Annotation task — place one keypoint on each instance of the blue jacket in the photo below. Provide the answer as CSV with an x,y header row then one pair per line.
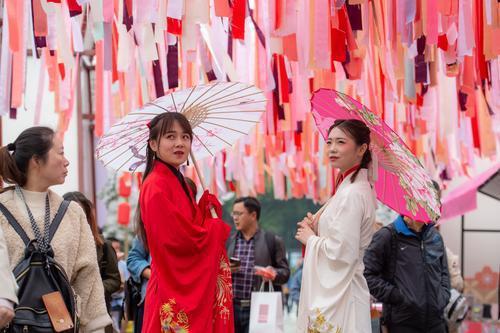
x,y
138,260
294,285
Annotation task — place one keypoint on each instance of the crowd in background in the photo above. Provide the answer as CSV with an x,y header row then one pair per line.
x,y
405,266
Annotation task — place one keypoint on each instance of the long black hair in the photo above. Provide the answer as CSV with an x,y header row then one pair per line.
x,y
360,133
88,208
15,157
158,126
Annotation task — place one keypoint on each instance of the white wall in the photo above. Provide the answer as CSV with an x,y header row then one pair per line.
x,y
481,249
11,128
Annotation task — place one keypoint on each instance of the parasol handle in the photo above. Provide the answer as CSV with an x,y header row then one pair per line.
x,y
202,181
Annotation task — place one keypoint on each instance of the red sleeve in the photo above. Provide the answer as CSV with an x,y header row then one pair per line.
x,y
208,201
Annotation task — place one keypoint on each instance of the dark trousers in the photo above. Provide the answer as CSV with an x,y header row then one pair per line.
x,y
241,318
405,329
139,314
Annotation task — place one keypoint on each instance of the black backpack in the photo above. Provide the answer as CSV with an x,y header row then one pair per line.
x,y
39,274
132,299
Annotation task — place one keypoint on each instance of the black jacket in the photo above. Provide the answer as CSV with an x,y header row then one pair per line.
x,y
264,257
414,286
108,267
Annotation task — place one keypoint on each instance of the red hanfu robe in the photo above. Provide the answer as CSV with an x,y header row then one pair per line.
x,y
190,285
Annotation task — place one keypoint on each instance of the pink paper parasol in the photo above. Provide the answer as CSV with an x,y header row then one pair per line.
x,y
402,182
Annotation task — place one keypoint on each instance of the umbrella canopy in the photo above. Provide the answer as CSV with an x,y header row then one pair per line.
x,y
219,113
402,182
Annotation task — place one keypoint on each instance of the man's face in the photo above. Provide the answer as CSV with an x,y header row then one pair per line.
x,y
243,219
414,225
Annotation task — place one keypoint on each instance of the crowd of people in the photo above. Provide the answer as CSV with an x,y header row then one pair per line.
x,y
184,271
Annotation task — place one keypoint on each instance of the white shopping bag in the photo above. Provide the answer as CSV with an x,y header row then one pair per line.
x,y
266,311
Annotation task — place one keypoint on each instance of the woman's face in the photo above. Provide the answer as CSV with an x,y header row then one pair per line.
x,y
174,146
55,169
343,151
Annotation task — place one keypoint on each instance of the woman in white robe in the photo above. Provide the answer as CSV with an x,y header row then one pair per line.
x,y
334,295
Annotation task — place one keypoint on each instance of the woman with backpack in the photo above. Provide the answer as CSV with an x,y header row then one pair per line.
x,y
106,255
35,220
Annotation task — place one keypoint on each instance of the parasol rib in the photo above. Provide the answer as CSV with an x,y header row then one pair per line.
x,y
218,137
187,98
237,111
173,102
244,120
210,104
203,144
229,128
203,94
114,150
208,99
240,104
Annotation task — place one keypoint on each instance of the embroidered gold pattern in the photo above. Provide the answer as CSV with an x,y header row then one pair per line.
x,y
224,291
318,324
172,322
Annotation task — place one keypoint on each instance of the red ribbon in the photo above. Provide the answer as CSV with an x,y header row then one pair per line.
x,y
338,45
174,26
74,8
238,20
283,80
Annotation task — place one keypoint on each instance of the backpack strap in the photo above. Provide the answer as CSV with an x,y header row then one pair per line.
x,y
271,246
13,222
390,263
57,219
394,252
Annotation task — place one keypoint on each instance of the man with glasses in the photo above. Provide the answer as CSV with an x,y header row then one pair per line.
x,y
252,250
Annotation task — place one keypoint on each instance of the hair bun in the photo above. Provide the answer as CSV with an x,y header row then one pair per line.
x,y
11,147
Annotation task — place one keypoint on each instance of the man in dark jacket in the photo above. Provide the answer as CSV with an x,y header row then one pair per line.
x,y
406,269
249,247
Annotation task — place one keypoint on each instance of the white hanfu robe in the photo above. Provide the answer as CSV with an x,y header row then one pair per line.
x,y
334,294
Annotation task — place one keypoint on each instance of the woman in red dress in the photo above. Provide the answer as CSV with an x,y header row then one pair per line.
x,y
190,285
